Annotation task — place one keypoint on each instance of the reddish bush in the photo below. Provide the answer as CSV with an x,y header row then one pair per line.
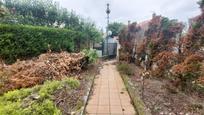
x,y
188,65
201,80
194,58
188,71
164,60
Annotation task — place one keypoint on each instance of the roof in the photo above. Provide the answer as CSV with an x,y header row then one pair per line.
x,y
144,25
194,18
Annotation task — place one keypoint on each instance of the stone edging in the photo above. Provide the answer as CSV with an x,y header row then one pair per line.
x,y
86,98
82,111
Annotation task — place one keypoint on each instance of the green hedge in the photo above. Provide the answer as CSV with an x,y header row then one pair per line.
x,y
22,41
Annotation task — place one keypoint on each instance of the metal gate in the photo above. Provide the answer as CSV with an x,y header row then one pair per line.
x,y
109,48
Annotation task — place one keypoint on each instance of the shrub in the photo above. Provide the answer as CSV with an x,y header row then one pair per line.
x,y
201,3
45,107
20,41
190,65
201,80
165,60
16,95
72,82
91,54
49,87
124,68
34,101
188,71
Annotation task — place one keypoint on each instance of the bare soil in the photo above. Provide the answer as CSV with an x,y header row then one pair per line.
x,y
68,101
162,99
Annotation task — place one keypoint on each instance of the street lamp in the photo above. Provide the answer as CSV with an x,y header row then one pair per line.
x,y
107,12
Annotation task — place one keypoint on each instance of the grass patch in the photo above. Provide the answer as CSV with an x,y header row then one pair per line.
x,y
125,69
34,101
134,94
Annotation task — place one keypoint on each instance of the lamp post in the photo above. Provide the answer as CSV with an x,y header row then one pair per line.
x,y
107,12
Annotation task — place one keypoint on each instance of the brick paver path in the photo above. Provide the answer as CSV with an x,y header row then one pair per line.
x,y
109,95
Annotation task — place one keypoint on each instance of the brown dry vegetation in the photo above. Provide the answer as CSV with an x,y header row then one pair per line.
x,y
49,66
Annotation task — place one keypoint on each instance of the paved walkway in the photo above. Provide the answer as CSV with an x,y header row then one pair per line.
x,y
109,96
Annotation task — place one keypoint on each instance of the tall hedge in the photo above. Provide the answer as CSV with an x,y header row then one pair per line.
x,y
20,41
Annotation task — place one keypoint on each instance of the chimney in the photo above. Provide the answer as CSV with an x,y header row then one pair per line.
x,y
129,22
154,15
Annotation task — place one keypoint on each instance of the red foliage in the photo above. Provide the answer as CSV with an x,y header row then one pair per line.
x,y
164,60
165,56
126,36
141,48
190,69
127,41
188,65
194,39
194,58
201,80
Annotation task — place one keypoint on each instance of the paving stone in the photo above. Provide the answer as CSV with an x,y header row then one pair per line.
x,y
93,102
128,110
103,109
91,109
109,95
116,110
103,102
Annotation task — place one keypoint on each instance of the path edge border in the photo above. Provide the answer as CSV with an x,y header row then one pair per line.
x,y
86,98
134,95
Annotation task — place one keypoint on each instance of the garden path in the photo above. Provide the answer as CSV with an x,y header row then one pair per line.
x,y
110,96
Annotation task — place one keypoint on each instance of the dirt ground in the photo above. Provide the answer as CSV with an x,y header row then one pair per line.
x,y
68,101
161,100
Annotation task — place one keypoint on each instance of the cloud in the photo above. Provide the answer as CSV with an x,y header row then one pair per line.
x,y
134,10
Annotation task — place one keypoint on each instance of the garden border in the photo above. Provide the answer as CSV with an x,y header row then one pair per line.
x,y
134,95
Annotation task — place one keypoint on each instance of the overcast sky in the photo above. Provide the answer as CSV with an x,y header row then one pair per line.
x,y
134,10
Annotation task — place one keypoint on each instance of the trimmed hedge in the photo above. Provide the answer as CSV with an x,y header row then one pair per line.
x,y
23,41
